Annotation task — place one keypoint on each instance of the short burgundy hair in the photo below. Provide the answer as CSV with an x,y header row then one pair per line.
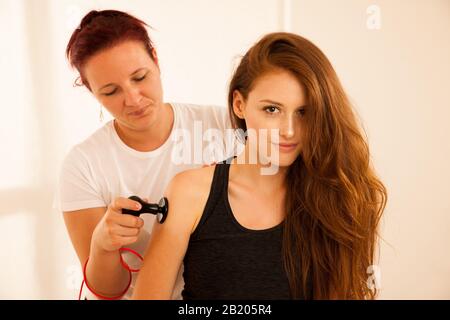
x,y
101,30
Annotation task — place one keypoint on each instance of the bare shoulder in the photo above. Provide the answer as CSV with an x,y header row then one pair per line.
x,y
191,183
188,193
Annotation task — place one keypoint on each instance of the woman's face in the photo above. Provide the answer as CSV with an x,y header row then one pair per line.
x,y
277,101
126,81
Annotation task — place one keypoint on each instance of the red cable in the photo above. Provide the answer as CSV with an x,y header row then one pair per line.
x,y
126,266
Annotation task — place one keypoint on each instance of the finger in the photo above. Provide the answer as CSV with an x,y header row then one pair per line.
x,y
128,240
130,221
126,231
208,165
120,203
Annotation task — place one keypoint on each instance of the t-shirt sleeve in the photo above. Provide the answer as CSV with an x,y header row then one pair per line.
x,y
223,118
230,145
77,189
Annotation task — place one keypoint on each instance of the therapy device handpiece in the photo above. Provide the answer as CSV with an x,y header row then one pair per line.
x,y
159,209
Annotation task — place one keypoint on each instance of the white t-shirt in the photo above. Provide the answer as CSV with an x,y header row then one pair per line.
x,y
103,167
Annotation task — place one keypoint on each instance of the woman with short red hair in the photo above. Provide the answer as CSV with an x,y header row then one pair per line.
x,y
130,155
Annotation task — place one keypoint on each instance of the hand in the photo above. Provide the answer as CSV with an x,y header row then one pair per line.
x,y
115,229
208,165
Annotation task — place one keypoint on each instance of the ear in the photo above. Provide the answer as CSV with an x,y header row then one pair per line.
x,y
155,57
238,104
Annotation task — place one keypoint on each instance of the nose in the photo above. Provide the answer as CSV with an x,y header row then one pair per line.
x,y
132,97
287,127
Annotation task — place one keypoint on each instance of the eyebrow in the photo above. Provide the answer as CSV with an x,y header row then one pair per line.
x,y
110,84
277,103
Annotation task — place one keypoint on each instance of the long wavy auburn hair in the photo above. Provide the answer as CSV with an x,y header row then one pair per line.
x,y
334,200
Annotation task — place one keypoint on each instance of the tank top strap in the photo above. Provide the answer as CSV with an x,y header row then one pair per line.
x,y
219,185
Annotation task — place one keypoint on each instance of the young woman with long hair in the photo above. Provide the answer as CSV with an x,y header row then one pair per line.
x,y
309,231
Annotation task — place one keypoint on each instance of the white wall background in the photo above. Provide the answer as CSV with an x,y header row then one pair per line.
x,y
392,57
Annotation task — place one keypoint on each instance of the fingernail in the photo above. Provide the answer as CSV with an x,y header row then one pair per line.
x,y
138,206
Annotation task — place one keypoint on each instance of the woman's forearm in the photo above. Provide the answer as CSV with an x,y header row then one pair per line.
x,y
105,274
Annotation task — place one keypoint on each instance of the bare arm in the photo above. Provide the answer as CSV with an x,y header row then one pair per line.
x,y
169,241
98,233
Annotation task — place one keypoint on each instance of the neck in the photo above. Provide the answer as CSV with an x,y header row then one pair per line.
x,y
251,174
150,138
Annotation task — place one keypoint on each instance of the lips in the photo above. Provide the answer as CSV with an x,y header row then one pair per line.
x,y
287,147
139,112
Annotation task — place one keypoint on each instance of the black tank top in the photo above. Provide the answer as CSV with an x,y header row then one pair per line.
x,y
224,260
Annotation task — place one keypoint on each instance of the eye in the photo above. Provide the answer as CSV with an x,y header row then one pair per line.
x,y
141,78
110,93
271,109
301,112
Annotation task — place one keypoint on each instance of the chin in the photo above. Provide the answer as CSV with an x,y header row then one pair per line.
x,y
283,163
285,160
145,122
